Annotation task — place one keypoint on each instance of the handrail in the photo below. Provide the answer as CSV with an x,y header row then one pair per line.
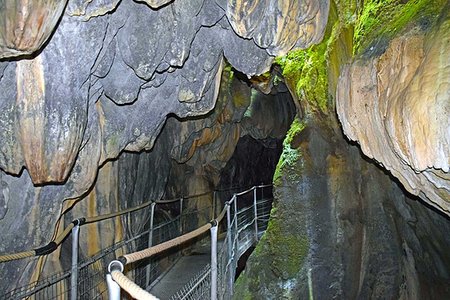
x,y
116,267
148,252
117,280
245,192
54,244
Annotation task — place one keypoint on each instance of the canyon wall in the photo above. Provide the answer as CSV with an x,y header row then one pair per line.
x,y
347,221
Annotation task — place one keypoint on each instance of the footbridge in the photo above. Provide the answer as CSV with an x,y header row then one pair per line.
x,y
226,223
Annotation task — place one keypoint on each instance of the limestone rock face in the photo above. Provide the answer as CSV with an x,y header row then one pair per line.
x,y
342,229
279,25
26,25
189,150
397,107
90,8
106,83
155,3
101,78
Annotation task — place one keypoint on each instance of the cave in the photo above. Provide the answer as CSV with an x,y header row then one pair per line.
x,y
167,109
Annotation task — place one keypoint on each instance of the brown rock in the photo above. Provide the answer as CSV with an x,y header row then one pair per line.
x,y
279,25
397,107
155,3
26,25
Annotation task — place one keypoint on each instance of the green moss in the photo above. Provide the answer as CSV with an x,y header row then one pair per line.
x,y
288,249
289,156
277,261
228,69
241,288
240,99
306,71
372,24
378,21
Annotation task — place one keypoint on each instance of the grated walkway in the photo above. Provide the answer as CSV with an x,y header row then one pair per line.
x,y
182,272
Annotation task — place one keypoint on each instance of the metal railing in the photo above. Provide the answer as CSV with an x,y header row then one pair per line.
x,y
85,279
246,219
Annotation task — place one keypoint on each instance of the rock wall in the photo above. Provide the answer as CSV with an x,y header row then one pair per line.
x,y
188,158
83,81
341,228
102,73
396,106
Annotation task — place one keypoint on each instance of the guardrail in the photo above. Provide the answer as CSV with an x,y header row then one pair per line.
x,y
242,231
85,279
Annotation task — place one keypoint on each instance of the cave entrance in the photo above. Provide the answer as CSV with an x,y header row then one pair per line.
x,y
233,148
265,122
254,160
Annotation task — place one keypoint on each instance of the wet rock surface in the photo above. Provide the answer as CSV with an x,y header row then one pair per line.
x,y
27,25
189,150
100,78
342,228
396,106
102,61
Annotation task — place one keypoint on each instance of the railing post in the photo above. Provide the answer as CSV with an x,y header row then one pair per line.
x,y
150,242
262,191
214,206
214,260
74,270
255,209
230,250
113,287
181,213
236,226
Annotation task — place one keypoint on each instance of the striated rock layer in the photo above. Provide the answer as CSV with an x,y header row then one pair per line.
x,y
26,25
342,227
279,25
397,107
101,78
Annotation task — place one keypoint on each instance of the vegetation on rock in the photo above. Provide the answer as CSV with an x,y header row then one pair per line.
x,y
372,25
290,155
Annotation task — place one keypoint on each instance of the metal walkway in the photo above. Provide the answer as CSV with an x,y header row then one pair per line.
x,y
245,220
180,275
156,223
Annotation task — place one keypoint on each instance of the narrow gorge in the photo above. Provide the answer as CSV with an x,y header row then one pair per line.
x,y
342,105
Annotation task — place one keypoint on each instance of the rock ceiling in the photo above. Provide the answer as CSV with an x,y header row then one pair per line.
x,y
112,71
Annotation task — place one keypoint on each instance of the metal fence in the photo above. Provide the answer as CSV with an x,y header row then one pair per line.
x,y
247,215
198,287
164,220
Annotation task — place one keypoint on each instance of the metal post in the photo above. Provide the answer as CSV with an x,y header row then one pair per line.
x,y
255,209
230,250
150,242
181,213
74,271
237,229
113,287
214,206
214,261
